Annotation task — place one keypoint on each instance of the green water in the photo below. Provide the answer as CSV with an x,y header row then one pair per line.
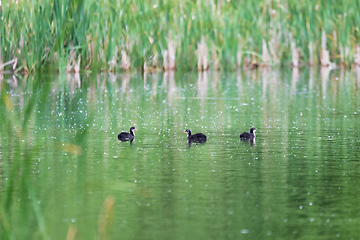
x,y
64,174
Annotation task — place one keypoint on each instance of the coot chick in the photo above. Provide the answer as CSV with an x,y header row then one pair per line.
x,y
124,136
248,136
196,138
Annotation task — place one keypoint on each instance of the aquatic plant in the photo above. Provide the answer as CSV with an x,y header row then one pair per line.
x,y
115,35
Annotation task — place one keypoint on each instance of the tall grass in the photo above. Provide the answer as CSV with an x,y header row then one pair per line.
x,y
58,35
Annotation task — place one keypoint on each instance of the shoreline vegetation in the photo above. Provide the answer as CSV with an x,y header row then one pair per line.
x,y
157,35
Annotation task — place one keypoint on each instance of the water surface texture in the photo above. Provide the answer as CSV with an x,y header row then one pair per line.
x,y
65,175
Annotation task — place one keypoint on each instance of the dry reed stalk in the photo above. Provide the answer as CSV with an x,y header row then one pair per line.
x,y
165,59
70,64
90,45
325,56
77,79
265,54
215,59
239,53
21,46
172,52
77,64
146,68
247,61
334,42
87,67
151,64
155,63
21,42
342,56
13,62
199,55
169,55
1,63
113,62
203,55
275,36
295,55
125,60
238,56
311,54
219,6
101,55
274,47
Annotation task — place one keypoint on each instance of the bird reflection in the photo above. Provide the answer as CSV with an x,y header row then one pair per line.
x,y
190,143
251,142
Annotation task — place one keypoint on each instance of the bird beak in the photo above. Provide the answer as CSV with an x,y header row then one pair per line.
x,y
184,132
135,129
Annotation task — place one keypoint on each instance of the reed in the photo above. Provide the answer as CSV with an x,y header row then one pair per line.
x,y
118,35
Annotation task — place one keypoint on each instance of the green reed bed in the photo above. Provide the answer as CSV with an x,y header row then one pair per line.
x,y
113,35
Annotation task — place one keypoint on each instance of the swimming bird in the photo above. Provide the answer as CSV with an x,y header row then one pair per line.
x,y
196,138
248,136
124,136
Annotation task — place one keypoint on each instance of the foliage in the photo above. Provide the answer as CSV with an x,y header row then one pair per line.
x,y
49,35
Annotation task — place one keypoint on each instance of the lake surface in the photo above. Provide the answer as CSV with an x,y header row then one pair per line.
x,y
65,175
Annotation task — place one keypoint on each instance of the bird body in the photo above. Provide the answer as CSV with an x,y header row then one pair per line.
x,y
196,138
248,135
124,136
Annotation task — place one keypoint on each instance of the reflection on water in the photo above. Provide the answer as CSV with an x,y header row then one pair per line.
x,y
61,162
202,84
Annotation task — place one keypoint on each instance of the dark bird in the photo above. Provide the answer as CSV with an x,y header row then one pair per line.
x,y
196,138
124,136
248,136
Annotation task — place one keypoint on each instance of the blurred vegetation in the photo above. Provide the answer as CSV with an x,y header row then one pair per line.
x,y
105,35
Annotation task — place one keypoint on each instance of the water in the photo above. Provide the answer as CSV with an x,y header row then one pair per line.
x,y
64,174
